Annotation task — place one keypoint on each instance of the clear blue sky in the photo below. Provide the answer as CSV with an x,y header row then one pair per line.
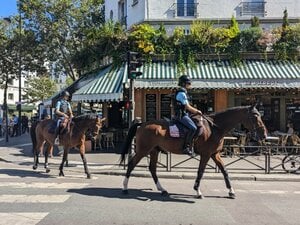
x,y
8,8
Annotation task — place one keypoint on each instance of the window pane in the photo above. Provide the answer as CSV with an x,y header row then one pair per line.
x,y
190,8
180,7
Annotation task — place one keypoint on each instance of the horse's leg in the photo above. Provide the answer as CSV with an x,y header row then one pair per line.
x,y
131,164
37,150
48,149
82,154
218,160
203,161
152,167
65,156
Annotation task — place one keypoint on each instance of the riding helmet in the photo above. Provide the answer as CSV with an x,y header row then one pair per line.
x,y
65,93
184,79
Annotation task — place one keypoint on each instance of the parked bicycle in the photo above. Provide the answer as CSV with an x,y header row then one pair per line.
x,y
291,162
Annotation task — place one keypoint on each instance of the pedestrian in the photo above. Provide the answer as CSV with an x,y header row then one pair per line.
x,y
24,122
14,122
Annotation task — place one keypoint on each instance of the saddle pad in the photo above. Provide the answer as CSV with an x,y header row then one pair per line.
x,y
174,131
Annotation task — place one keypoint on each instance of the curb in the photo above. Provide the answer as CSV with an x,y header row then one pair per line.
x,y
205,177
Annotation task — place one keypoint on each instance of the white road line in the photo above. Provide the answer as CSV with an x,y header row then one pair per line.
x,y
21,218
33,198
43,185
297,192
22,145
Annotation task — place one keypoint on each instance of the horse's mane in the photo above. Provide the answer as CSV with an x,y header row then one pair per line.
x,y
85,117
229,110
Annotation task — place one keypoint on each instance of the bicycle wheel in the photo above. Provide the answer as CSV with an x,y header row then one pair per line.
x,y
291,163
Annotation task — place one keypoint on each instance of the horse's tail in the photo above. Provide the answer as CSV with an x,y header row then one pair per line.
x,y
33,135
131,133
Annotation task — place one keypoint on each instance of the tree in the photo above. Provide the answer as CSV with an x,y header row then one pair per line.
x,y
40,88
62,26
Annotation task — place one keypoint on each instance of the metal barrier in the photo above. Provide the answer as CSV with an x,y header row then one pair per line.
x,y
272,158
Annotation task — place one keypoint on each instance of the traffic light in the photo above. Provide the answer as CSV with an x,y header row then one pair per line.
x,y
134,62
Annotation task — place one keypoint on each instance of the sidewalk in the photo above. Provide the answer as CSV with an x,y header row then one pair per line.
x,y
105,162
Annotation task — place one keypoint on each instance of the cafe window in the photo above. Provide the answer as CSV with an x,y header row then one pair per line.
x,y
151,112
165,106
293,112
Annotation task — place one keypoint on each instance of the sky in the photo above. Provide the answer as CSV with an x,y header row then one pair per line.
x,y
8,8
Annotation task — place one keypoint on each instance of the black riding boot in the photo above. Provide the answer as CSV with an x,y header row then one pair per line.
x,y
188,146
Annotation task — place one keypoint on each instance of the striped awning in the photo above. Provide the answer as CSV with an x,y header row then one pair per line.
x,y
223,75
107,86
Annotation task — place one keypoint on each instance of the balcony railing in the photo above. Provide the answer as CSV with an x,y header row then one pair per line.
x,y
185,9
253,9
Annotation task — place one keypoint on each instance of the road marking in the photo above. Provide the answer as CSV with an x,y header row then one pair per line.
x,y
33,198
21,218
297,192
43,185
22,145
278,192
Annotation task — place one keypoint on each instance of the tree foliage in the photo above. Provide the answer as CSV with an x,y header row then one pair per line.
x,y
40,88
62,27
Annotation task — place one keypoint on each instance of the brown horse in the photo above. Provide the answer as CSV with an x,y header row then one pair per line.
x,y
153,136
40,135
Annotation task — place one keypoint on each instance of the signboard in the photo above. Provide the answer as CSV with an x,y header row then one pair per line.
x,y
150,107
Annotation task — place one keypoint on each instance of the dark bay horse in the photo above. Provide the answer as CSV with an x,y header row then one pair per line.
x,y
153,136
40,135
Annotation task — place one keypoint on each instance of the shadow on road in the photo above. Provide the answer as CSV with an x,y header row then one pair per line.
x,y
142,195
25,173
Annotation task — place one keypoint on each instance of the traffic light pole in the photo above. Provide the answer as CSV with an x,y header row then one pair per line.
x,y
132,103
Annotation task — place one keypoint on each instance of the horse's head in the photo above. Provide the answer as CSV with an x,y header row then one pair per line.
x,y
254,124
93,131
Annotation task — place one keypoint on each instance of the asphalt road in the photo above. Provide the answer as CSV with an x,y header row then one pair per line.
x,y
34,197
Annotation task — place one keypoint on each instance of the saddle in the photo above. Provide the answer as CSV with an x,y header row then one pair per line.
x,y
63,127
179,130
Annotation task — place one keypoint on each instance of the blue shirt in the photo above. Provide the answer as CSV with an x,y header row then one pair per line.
x,y
59,104
182,98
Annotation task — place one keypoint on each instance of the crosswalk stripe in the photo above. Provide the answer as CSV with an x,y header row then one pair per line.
x,y
297,192
21,218
42,185
33,198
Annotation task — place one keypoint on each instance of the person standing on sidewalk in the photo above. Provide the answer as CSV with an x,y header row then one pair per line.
x,y
15,121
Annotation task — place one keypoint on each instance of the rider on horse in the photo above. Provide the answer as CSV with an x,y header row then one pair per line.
x,y
182,108
63,111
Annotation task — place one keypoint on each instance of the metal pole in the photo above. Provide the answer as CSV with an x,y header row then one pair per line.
x,y
131,99
19,75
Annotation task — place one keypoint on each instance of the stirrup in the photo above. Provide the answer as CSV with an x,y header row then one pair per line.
x,y
188,151
56,141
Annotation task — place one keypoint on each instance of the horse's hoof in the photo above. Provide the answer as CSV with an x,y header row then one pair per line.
x,y
61,174
34,167
164,193
88,176
125,192
232,195
199,196
47,170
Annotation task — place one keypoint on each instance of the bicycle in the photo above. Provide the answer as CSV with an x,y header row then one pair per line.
x,y
291,162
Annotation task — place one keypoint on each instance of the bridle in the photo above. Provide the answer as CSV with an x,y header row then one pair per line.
x,y
255,127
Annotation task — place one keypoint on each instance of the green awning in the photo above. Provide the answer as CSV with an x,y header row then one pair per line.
x,y
223,75
24,107
107,86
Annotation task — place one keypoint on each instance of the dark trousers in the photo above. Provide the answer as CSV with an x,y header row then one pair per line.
x,y
188,122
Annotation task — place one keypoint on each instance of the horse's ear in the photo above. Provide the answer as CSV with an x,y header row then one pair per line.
x,y
253,106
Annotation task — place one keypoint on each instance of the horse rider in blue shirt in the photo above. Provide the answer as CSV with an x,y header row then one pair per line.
x,y
62,111
182,109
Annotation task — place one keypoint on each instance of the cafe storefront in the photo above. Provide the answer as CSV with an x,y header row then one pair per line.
x,y
274,86
217,85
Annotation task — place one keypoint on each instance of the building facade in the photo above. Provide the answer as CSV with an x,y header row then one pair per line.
x,y
174,13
